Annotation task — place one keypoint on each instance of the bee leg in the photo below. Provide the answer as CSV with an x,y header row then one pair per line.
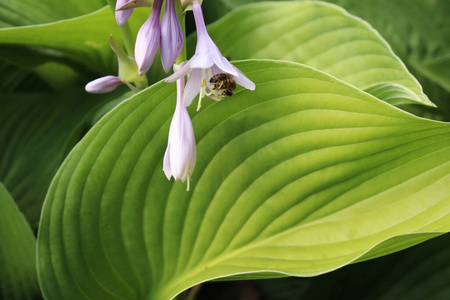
x,y
220,86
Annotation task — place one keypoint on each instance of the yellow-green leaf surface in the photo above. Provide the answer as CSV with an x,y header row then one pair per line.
x,y
83,40
18,276
300,177
320,35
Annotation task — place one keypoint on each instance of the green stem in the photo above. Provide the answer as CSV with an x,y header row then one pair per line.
x,y
181,18
125,31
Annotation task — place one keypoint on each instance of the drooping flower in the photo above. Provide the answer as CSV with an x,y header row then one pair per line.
x,y
171,36
206,62
128,73
148,39
180,156
122,16
124,9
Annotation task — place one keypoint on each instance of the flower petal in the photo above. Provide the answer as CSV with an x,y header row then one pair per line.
x,y
166,164
122,16
192,87
186,68
103,84
171,36
148,39
181,150
242,80
206,51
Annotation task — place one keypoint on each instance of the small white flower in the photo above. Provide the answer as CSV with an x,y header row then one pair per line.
x,y
206,62
180,156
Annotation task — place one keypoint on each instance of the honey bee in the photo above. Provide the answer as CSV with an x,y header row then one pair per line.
x,y
224,84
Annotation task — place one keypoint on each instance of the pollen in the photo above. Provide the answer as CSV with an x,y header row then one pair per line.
x,y
203,83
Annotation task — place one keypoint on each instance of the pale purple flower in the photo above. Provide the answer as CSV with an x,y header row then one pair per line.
x,y
180,156
171,36
128,73
103,84
122,15
124,9
206,62
148,39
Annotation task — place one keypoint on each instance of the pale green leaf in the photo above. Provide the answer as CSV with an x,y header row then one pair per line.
x,y
418,31
18,276
304,175
318,34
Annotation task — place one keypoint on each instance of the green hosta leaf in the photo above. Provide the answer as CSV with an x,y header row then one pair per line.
x,y
302,176
37,132
18,276
393,93
30,12
417,273
320,35
418,32
13,78
83,40
414,28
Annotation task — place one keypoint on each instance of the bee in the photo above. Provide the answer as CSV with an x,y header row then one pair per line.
x,y
223,84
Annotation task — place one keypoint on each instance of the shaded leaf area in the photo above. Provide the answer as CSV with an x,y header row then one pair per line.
x,y
418,273
301,176
31,12
82,41
418,32
320,35
13,78
37,132
18,276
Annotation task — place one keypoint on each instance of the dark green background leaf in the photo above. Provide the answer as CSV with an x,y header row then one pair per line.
x,y
37,132
18,276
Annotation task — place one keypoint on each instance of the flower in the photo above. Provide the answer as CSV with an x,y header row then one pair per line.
x,y
127,73
171,36
122,15
148,39
124,9
103,85
179,159
206,62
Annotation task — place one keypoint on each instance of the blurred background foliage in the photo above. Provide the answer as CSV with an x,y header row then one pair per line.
x,y
43,106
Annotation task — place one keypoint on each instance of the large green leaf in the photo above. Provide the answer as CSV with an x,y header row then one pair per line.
x,y
83,40
302,176
37,132
18,276
320,35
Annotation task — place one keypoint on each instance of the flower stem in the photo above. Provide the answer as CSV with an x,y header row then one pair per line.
x,y
125,31
181,18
